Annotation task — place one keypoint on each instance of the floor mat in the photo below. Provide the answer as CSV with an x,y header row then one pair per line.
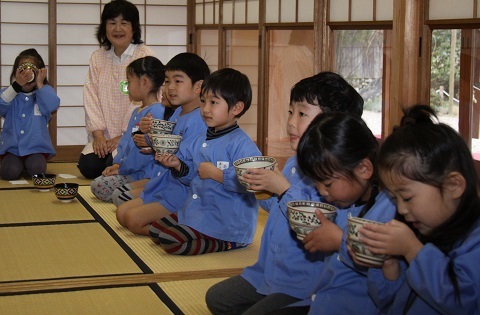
x,y
66,173
61,251
32,206
189,295
210,265
123,300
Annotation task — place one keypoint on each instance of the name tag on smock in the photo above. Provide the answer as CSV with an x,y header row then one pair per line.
x,y
36,110
223,165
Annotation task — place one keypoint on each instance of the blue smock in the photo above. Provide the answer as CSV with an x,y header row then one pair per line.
x,y
25,129
132,162
428,276
283,265
342,284
223,211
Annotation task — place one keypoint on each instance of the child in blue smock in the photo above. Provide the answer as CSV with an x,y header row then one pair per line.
x,y
218,213
145,78
184,75
428,170
338,152
285,272
27,106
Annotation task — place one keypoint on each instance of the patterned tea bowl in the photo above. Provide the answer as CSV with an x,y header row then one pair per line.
x,y
241,166
361,252
302,217
165,144
160,126
44,182
66,192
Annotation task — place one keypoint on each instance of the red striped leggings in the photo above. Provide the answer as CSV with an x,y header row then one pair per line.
x,y
180,239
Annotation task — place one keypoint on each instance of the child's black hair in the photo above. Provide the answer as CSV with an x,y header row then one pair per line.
x,y
334,143
427,152
191,64
231,85
28,53
329,91
113,9
151,67
424,151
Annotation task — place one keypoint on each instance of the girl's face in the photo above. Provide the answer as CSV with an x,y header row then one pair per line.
x,y
342,191
179,88
300,115
215,111
135,90
424,206
119,33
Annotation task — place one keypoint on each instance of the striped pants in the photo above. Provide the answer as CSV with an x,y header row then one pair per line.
x,y
178,239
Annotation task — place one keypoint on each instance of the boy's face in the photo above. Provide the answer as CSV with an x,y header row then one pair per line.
x,y
215,111
300,115
179,88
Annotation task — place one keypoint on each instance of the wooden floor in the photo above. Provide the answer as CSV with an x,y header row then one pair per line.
x,y
74,258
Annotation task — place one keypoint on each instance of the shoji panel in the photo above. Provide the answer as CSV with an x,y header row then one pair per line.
x,y
286,11
360,10
447,9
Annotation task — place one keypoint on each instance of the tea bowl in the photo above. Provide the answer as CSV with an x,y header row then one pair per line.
x,y
302,217
44,182
165,143
66,192
359,248
160,126
241,166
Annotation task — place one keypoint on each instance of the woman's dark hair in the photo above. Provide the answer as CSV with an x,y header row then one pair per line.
x,y
191,64
231,85
427,152
151,67
330,91
113,9
334,144
28,53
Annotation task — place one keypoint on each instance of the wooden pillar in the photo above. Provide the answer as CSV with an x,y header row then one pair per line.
x,y
406,60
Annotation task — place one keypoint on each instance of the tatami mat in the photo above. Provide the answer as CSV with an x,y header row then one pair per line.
x,y
31,205
60,169
124,300
61,251
189,295
161,262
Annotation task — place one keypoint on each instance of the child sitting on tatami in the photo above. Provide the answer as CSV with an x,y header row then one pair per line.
x,y
219,214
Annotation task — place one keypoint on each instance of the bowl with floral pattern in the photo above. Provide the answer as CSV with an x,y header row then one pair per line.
x,y
165,143
160,126
359,248
243,164
302,217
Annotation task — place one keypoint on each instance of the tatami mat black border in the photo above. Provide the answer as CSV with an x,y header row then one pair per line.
x,y
40,223
160,293
115,236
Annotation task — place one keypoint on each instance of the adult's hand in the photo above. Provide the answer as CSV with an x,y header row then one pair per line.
x,y
100,147
112,144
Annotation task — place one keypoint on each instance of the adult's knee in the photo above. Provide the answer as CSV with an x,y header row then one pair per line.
x,y
91,166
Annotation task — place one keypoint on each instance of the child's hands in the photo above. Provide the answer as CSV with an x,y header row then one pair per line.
x,y
262,179
392,238
325,238
168,160
140,140
145,124
208,170
41,75
111,170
